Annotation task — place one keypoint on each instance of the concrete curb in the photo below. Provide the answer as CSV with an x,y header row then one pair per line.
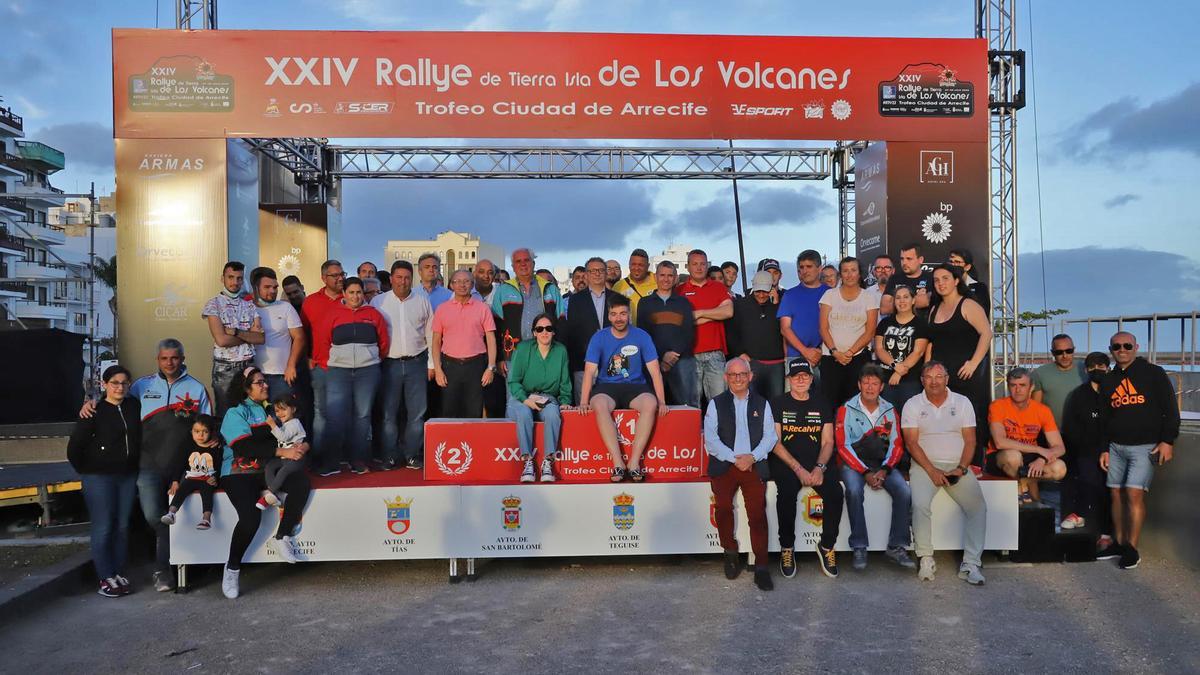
x,y
26,595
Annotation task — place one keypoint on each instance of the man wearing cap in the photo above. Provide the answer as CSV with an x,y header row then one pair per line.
x,y
771,266
804,427
753,334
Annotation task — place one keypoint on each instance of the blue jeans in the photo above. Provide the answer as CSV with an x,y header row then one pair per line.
x,y
768,379
152,494
277,386
1130,466
899,394
681,383
710,374
349,397
895,486
403,382
320,434
524,416
109,499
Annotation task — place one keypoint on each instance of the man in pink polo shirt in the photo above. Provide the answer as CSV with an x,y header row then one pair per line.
x,y
464,349
711,306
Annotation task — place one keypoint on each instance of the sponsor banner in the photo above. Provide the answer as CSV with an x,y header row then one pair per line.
x,y
292,240
483,451
870,203
937,195
512,521
171,202
339,524
478,84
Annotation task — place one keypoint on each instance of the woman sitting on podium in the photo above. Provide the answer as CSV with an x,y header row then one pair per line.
x,y
539,387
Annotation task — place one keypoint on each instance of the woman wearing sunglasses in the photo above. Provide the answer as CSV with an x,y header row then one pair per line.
x,y
539,388
104,449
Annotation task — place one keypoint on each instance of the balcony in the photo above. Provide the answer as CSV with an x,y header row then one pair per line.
x,y
12,206
13,289
10,245
11,120
41,156
29,309
38,195
34,271
10,164
47,234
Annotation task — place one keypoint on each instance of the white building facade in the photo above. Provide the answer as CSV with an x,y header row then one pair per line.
x,y
458,251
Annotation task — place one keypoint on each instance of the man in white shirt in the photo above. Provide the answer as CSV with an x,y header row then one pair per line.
x,y
939,433
279,356
407,368
233,322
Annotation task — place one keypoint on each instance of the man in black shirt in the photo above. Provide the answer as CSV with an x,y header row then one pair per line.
x,y
753,334
804,424
912,275
587,312
669,320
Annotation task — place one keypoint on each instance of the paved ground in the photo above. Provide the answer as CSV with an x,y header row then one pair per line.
x,y
635,615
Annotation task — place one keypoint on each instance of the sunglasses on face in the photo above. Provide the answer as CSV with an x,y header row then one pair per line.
x,y
1118,346
1060,352
543,329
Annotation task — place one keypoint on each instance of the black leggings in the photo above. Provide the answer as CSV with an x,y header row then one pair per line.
x,y
787,486
840,383
189,485
243,490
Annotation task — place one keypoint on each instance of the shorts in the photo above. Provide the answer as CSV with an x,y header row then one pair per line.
x,y
622,393
992,469
1130,466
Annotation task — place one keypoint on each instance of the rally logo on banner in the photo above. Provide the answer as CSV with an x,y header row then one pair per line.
x,y
398,515
814,508
511,510
623,516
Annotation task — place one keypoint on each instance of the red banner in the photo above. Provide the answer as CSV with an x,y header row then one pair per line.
x,y
182,84
467,452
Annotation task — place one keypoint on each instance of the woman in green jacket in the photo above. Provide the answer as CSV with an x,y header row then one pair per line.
x,y
539,388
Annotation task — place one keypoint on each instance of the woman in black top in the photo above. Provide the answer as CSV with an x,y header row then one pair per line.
x,y
105,448
900,343
960,338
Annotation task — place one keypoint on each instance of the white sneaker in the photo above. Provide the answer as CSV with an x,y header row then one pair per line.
x,y
547,471
229,583
527,473
970,573
928,568
283,548
168,518
271,498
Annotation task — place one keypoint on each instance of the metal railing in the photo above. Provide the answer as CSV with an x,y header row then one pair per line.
x,y
11,119
1184,356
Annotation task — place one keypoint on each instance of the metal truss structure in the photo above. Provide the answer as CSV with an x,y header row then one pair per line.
x,y
995,20
581,162
843,181
196,14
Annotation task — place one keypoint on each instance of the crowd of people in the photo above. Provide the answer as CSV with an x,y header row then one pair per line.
x,y
848,381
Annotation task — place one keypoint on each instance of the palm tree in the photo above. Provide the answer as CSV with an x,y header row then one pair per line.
x,y
106,273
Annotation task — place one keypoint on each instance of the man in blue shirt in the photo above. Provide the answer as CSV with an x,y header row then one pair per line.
x,y
739,433
613,378
800,310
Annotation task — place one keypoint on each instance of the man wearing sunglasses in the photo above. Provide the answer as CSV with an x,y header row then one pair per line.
x,y
1140,419
1054,381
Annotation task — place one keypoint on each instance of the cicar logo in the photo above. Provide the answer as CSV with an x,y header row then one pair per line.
x,y
399,517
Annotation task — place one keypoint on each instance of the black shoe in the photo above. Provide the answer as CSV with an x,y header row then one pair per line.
x,y
828,559
1129,558
415,463
762,579
1110,552
787,563
733,564
330,471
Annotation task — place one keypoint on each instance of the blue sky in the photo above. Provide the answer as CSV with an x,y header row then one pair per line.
x,y
1116,117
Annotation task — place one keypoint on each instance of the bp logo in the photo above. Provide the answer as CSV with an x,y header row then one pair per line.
x,y
814,508
623,511
399,517
511,510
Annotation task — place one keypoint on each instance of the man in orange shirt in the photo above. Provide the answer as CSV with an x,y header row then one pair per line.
x,y
1018,425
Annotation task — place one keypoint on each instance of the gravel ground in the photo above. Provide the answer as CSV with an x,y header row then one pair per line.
x,y
635,614
18,562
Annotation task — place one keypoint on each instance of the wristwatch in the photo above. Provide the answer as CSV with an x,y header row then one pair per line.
x,y
492,368
822,466
963,469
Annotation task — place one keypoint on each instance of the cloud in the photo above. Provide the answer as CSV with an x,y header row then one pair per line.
x,y
1121,200
548,215
506,14
1125,126
86,143
19,67
760,207
1096,281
